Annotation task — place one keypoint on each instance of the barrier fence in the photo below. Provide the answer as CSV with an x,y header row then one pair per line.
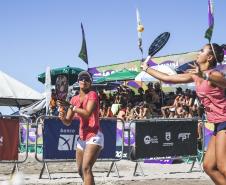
x,y
157,139
10,140
138,140
59,141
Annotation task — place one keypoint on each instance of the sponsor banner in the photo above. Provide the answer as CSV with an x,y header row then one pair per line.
x,y
173,60
108,128
102,71
127,140
32,135
59,141
9,139
164,138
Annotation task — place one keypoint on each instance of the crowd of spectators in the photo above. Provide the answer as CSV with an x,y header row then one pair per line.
x,y
153,102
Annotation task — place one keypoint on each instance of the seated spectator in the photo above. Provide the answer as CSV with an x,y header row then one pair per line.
x,y
105,111
129,112
145,111
187,112
169,108
122,113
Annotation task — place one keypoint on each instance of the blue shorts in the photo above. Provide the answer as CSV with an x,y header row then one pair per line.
x,y
218,127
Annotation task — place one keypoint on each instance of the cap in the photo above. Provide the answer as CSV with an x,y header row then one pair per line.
x,y
85,73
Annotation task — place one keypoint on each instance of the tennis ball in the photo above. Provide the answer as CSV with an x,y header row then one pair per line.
x,y
140,28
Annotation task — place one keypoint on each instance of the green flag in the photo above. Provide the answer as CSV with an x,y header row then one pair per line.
x,y
83,52
209,31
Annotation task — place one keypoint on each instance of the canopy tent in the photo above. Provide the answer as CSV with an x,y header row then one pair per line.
x,y
122,75
33,108
70,72
15,93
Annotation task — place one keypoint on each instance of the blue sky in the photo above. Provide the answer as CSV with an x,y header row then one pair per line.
x,y
39,33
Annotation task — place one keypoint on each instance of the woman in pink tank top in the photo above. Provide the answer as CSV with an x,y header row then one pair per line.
x,y
210,85
85,106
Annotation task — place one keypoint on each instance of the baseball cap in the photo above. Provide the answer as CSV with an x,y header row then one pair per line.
x,y
85,74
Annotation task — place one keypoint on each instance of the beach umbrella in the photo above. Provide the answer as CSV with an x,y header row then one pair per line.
x,y
122,75
70,72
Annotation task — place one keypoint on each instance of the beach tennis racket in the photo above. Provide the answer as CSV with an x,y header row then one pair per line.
x,y
158,43
61,87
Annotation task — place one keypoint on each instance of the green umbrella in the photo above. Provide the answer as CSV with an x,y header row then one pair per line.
x,y
122,75
70,72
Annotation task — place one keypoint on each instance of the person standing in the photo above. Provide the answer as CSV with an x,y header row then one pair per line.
x,y
85,106
210,85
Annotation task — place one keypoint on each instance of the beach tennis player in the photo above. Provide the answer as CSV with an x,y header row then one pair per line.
x,y
85,106
210,85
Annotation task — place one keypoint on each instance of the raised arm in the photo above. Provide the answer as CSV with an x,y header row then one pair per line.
x,y
85,113
177,78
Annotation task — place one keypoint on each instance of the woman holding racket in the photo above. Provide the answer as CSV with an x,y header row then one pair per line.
x,y
210,85
85,106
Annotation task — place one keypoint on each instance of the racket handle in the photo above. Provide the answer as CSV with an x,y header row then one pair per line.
x,y
147,59
61,109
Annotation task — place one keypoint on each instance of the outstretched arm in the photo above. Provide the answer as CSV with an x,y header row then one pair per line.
x,y
177,78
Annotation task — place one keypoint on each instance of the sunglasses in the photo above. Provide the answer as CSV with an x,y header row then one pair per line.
x,y
84,78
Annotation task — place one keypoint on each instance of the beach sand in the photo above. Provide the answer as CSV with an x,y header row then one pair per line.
x,y
66,173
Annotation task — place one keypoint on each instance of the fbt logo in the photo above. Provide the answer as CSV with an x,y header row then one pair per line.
x,y
184,136
67,142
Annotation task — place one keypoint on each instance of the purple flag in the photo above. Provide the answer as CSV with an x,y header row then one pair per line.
x,y
209,31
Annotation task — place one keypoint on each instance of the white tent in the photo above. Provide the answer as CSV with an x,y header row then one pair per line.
x,y
15,93
33,108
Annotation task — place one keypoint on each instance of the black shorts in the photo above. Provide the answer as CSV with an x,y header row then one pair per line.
x,y
218,127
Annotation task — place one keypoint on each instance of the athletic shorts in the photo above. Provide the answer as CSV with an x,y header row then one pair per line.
x,y
95,140
218,127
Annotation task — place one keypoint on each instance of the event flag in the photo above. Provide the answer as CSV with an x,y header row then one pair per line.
x,y
83,52
48,88
209,31
140,29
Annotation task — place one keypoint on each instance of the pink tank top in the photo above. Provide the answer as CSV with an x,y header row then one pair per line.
x,y
213,99
88,127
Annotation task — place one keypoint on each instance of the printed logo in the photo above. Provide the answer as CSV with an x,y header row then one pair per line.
x,y
147,140
184,136
168,136
154,140
67,142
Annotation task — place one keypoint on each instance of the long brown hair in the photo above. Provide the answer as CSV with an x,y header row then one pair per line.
x,y
218,53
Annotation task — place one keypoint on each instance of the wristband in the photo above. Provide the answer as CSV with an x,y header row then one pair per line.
x,y
147,68
72,107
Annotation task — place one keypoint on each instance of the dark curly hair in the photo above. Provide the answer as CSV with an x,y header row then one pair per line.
x,y
218,53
